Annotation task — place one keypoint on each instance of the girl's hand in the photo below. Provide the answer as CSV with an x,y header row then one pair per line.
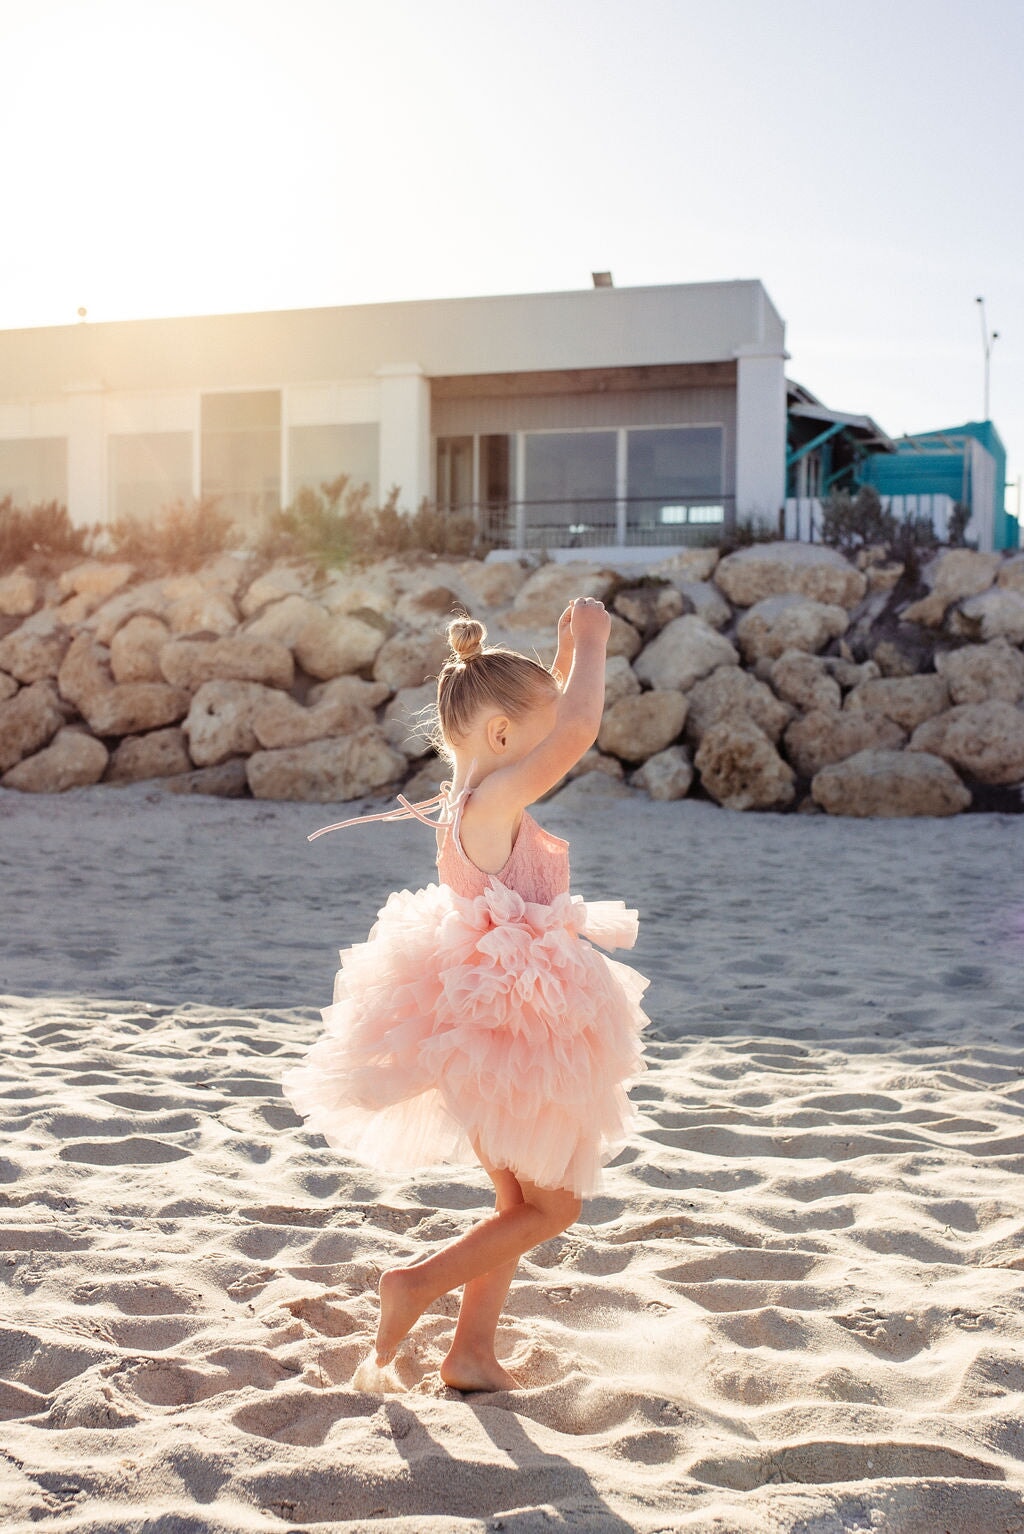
x,y
589,619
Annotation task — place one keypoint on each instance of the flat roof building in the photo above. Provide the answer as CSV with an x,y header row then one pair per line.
x,y
605,416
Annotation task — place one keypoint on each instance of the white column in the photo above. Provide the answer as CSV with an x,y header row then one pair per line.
x,y
760,435
87,456
404,432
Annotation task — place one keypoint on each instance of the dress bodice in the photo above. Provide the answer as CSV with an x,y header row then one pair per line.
x,y
537,868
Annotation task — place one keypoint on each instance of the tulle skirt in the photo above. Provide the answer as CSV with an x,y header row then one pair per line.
x,y
488,1022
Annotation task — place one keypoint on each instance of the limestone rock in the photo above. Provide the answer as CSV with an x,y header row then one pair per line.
x,y
687,565
135,649
1011,574
235,658
27,721
985,740
131,708
824,736
84,671
791,622
685,650
981,671
408,660
666,775
731,693
428,604
95,580
804,681
587,792
788,568
287,618
885,577
544,595
220,721
278,721
371,594
427,779
596,761
148,597
953,576
8,687
909,700
352,691
623,639
18,594
192,606
72,760
282,580
995,614
620,680
705,599
326,771
495,583
409,719
160,754
35,649
648,608
225,781
847,672
741,769
338,644
890,783
636,728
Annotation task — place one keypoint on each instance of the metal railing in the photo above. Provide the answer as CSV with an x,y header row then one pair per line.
x,y
635,521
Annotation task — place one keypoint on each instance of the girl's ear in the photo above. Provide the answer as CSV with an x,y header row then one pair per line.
x,y
497,732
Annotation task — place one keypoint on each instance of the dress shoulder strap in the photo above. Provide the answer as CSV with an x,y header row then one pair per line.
x,y
449,811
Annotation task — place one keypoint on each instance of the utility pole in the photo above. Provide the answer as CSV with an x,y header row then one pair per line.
x,y
988,338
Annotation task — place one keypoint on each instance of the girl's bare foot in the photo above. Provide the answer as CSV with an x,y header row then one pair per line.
x,y
470,1371
402,1302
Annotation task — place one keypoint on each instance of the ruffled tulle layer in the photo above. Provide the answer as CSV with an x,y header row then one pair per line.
x,y
490,1022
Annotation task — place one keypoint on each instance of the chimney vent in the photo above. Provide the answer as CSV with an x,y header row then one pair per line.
x,y
602,279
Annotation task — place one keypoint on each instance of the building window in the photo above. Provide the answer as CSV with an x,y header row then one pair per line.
x,y
241,452
319,454
673,478
34,470
148,471
569,486
455,473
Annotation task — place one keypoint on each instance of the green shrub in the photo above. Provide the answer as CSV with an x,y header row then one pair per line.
x,y
335,525
35,533
181,536
851,522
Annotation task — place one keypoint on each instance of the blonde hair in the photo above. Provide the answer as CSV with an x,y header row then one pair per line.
x,y
476,676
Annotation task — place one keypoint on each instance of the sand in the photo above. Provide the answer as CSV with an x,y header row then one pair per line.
x,y
798,1306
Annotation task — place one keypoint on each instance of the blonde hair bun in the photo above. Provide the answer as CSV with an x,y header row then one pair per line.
x,y
466,637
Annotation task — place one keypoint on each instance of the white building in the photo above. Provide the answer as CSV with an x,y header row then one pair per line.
x,y
621,416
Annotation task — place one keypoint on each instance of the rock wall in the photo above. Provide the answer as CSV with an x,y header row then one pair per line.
x,y
782,676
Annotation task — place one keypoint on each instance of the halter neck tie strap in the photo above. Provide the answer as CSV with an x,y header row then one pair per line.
x,y
448,810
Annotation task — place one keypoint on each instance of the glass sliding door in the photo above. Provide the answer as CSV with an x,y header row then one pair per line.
x,y
674,479
568,494
241,452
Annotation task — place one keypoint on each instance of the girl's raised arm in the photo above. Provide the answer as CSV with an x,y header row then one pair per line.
x,y
578,719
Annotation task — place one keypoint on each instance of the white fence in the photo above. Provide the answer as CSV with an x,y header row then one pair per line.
x,y
804,514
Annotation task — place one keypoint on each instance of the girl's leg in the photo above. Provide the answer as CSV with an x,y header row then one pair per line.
x,y
405,1293
470,1363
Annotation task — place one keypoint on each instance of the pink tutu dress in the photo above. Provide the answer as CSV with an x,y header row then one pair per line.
x,y
478,1010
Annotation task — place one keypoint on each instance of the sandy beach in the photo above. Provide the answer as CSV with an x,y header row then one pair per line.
x,y
798,1306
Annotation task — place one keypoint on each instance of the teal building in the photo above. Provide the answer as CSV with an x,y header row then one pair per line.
x,y
967,463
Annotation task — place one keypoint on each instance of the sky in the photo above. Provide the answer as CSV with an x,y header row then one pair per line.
x,y
861,157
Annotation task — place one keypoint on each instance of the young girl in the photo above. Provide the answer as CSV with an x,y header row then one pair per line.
x,y
477,1020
